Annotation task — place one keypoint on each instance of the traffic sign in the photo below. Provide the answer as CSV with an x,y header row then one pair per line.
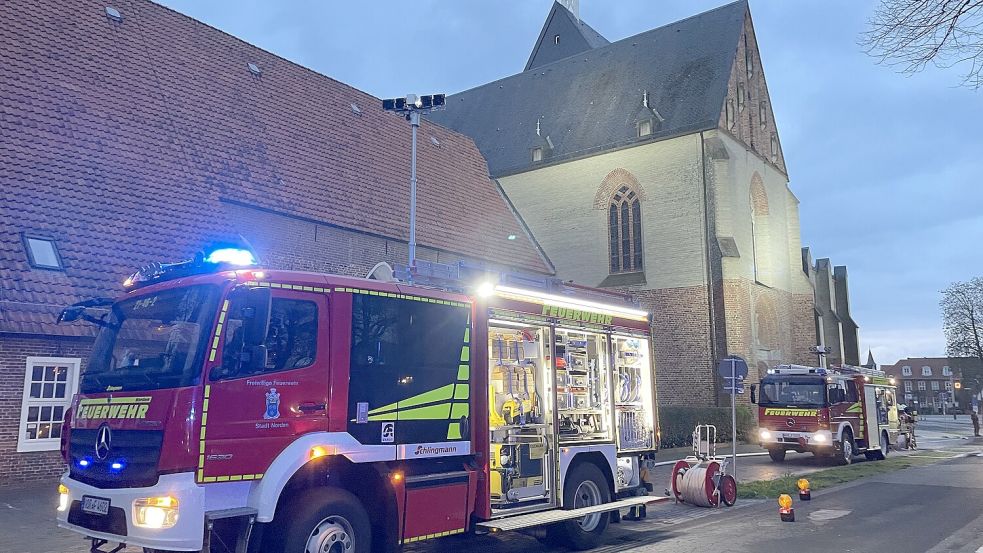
x,y
732,365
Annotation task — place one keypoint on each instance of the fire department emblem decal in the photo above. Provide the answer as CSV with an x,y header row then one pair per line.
x,y
272,405
790,422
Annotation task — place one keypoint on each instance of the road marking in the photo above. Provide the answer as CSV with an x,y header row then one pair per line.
x,y
822,515
936,456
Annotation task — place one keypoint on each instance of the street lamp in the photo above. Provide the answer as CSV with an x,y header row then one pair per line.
x,y
412,106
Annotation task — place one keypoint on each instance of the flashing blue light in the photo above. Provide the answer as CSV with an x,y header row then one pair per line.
x,y
232,256
116,466
83,463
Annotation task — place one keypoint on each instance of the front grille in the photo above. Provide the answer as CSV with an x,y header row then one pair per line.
x,y
113,522
137,451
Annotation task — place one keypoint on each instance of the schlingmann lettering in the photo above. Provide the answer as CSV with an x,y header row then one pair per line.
x,y
434,450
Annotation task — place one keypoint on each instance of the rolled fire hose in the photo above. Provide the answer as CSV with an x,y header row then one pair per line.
x,y
695,485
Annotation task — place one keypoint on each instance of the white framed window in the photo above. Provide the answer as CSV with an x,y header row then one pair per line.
x,y
946,371
644,127
921,385
926,371
49,384
906,371
537,154
935,385
948,386
907,386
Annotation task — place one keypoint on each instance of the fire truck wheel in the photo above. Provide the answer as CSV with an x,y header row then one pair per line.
x,y
585,486
881,453
322,520
847,448
777,455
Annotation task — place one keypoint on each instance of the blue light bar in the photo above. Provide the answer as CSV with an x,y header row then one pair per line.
x,y
116,466
232,256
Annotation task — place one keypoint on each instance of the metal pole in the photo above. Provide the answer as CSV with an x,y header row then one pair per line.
x,y
733,413
414,117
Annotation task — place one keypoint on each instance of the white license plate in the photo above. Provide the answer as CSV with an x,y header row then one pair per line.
x,y
95,505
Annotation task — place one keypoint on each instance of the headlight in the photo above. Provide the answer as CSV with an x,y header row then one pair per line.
x,y
765,435
155,512
62,498
822,437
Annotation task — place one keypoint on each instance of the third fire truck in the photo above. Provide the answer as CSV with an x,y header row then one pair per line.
x,y
837,412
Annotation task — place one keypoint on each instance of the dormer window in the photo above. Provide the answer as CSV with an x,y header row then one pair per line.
x,y
537,154
906,371
926,371
42,253
644,128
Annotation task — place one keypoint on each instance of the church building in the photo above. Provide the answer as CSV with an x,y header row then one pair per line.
x,y
653,165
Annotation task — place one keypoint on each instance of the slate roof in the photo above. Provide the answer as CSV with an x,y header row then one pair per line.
x,y
592,101
123,140
957,364
574,37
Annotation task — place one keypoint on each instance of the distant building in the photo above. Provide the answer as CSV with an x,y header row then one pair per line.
x,y
928,382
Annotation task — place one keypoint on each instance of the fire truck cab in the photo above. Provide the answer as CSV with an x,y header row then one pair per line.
x,y
287,412
837,412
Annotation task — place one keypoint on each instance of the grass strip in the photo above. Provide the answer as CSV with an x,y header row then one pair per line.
x,y
762,489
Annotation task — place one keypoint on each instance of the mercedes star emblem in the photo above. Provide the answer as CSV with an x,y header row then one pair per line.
x,y
104,441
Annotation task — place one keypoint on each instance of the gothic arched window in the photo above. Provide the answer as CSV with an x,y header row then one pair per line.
x,y
625,231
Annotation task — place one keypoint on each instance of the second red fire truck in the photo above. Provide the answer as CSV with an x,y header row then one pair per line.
x,y
299,412
837,412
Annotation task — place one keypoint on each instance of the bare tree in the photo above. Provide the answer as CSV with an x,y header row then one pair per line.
x,y
910,34
962,319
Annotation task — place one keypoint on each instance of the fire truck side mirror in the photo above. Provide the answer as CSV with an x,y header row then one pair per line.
x,y
255,316
754,393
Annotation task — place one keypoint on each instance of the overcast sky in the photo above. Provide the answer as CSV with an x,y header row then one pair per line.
x,y
888,168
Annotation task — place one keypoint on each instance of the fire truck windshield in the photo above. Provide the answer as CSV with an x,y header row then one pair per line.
x,y
792,391
152,341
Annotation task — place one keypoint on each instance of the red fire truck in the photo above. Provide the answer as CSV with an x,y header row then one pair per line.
x,y
285,411
837,412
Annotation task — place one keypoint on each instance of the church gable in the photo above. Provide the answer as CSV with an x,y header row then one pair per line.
x,y
747,113
563,35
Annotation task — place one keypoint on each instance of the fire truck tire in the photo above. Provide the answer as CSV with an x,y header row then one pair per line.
x,y
777,455
881,453
585,486
847,448
322,520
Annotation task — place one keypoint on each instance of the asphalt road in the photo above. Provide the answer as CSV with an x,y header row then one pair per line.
x,y
934,508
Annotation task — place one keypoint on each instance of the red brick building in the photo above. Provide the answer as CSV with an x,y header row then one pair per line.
x,y
927,383
141,138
